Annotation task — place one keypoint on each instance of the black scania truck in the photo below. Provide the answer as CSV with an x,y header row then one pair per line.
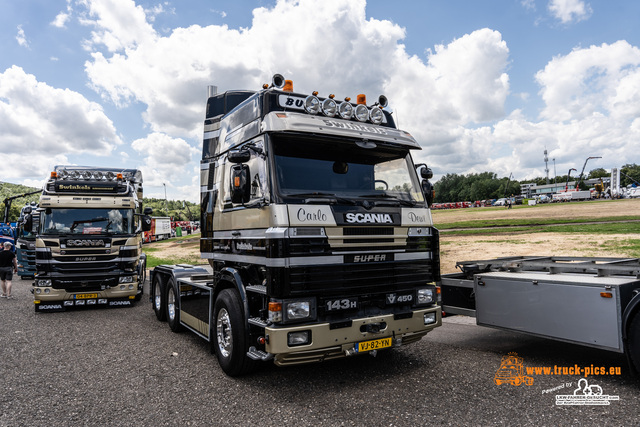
x,y
317,230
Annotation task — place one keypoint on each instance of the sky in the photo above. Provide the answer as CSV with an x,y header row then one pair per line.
x,y
482,85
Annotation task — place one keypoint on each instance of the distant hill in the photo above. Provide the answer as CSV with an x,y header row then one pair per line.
x,y
180,210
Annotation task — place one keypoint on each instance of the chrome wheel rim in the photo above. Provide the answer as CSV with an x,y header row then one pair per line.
x,y
171,305
223,332
156,296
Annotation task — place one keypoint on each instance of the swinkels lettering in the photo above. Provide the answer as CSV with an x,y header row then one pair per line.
x,y
371,218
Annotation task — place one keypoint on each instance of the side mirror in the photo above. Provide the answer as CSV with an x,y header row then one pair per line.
x,y
240,187
428,191
145,224
147,211
426,172
26,210
240,156
28,223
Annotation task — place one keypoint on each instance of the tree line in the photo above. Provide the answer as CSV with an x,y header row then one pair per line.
x,y
487,185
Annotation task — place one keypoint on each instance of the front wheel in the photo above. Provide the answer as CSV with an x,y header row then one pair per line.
x,y
229,338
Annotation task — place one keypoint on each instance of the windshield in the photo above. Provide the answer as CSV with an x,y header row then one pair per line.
x,y
307,168
87,221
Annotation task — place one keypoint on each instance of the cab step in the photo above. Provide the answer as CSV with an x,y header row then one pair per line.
x,y
256,354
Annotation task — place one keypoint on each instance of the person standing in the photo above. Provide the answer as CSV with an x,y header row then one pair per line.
x,y
8,266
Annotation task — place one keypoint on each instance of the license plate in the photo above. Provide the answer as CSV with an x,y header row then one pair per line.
x,y
85,296
373,345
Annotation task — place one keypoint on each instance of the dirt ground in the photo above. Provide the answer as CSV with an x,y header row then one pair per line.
x,y
499,244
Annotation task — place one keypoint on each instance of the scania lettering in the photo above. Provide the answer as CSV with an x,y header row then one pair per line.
x,y
88,240
312,214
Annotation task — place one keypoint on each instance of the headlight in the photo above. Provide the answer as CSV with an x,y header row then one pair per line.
x,y
362,113
345,110
86,175
312,104
292,310
43,282
329,107
376,115
298,310
98,175
426,296
125,279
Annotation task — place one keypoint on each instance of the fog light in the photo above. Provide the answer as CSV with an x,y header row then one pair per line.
x,y
91,302
429,318
345,110
80,302
329,107
47,290
68,303
130,287
362,113
123,287
102,301
376,115
298,338
38,290
311,104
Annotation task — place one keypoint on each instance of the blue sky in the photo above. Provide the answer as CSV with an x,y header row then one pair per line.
x,y
483,86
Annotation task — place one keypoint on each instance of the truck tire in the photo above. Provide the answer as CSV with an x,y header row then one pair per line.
x,y
173,309
229,339
159,298
633,342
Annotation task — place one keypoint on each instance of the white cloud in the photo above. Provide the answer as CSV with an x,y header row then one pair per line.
x,y
60,20
43,123
165,158
570,10
21,38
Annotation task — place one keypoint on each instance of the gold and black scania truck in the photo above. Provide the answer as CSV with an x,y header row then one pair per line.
x,y
317,230
88,238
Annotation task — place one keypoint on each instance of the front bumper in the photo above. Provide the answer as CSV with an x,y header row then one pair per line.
x,y
327,343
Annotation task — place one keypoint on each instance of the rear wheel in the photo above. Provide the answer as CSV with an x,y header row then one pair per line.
x,y
173,309
158,298
633,341
229,337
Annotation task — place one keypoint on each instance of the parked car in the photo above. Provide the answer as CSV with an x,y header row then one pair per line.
x,y
500,202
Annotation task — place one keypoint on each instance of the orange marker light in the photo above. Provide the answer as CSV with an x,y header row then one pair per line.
x,y
275,306
314,93
288,86
606,294
236,182
361,99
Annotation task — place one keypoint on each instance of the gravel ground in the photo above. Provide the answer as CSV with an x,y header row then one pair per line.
x,y
122,367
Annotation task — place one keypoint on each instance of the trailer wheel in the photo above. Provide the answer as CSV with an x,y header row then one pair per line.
x,y
158,299
173,309
228,332
634,341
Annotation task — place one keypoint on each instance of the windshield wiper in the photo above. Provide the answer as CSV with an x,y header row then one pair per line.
x,y
391,199
319,197
82,221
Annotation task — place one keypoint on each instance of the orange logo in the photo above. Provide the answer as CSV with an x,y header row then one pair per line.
x,y
511,371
